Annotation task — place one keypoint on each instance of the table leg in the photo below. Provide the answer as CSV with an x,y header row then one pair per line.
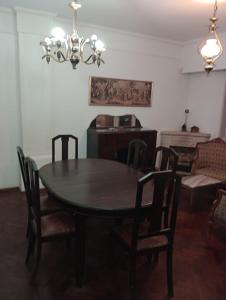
x,y
80,249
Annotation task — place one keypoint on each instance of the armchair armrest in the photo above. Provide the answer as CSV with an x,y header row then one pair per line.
x,y
218,205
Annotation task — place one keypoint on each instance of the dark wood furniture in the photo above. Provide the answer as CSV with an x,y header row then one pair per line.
x,y
59,225
106,143
165,159
47,204
148,237
64,140
92,187
137,154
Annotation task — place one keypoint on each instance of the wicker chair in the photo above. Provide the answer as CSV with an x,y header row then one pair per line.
x,y
211,159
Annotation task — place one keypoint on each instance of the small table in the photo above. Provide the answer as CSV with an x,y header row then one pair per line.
x,y
201,190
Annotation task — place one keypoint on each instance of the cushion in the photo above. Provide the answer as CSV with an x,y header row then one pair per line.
x,y
212,172
57,224
124,233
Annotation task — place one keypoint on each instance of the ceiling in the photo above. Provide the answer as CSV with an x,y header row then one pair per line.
x,y
179,20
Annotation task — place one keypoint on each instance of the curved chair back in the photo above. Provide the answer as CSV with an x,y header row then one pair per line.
x,y
33,192
65,141
21,158
136,154
165,159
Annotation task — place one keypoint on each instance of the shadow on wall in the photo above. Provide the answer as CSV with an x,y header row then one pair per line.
x,y
223,117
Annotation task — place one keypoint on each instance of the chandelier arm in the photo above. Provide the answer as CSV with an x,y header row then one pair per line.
x,y
83,43
87,61
56,60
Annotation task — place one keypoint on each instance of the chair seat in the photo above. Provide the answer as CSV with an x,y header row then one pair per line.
x,y
57,224
49,205
124,233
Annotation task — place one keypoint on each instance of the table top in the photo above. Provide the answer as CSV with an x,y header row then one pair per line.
x,y
94,186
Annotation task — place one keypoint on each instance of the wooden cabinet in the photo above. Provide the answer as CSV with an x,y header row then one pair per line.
x,y
105,143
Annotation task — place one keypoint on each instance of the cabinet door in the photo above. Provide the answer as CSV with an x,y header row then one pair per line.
x,y
107,146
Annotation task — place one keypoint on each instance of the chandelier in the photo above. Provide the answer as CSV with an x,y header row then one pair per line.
x,y
61,47
211,49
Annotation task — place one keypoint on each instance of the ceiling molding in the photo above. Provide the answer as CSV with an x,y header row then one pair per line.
x,y
122,32
19,9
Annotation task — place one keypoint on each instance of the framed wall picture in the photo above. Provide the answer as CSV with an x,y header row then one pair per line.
x,y
120,92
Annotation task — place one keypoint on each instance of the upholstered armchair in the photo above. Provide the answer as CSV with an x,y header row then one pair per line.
x,y
217,216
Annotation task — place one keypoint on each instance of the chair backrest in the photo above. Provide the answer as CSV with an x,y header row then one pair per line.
x,y
21,158
164,184
33,192
136,154
65,140
165,158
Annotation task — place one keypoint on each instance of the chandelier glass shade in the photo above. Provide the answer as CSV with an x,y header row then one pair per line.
x,y
63,47
211,49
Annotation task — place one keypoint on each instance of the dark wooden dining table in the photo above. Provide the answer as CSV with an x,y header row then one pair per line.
x,y
92,187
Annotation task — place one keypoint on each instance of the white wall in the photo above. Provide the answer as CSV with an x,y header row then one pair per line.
x,y
206,100
9,106
206,93
54,98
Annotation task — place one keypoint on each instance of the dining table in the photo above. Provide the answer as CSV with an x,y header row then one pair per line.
x,y
92,187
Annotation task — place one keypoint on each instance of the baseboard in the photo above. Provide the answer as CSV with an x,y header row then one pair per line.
x,y
12,189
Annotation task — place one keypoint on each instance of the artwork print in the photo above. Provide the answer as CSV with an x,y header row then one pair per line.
x,y
120,92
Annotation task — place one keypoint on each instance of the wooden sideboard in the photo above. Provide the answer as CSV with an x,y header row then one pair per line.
x,y
107,142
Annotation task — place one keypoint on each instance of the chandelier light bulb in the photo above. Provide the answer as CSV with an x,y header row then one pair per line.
x,y
100,46
48,41
211,49
58,33
93,37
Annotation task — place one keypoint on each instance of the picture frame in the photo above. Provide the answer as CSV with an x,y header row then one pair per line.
x,y
119,92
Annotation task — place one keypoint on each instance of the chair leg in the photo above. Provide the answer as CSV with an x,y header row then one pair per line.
x,y
132,277
170,272
31,245
149,258
166,218
38,257
28,228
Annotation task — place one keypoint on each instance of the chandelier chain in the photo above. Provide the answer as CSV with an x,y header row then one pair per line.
x,y
215,9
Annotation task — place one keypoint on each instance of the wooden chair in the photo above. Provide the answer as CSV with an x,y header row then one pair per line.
x,y
47,203
217,215
59,225
65,140
151,237
164,159
136,154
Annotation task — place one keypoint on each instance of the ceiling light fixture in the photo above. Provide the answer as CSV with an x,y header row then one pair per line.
x,y
61,47
211,49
